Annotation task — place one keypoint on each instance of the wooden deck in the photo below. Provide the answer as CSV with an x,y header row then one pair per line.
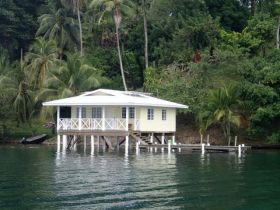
x,y
198,147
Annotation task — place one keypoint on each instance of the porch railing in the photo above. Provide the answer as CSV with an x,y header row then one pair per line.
x,y
94,124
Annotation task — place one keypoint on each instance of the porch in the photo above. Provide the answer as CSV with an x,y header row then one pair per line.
x,y
97,124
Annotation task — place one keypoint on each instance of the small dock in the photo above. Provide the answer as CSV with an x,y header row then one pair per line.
x,y
198,147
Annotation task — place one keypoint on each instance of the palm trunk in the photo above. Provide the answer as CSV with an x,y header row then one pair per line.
x,y
81,31
253,7
120,57
145,34
277,34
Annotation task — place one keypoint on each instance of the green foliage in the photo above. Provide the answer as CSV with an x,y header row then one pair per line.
x,y
196,49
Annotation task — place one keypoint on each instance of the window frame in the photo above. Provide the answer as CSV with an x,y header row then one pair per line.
x,y
131,112
163,114
96,112
150,114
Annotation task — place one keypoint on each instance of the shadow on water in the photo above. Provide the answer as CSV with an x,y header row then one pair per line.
x,y
38,177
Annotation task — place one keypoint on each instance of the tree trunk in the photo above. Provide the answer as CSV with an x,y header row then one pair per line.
x,y
81,31
145,34
277,33
253,7
120,56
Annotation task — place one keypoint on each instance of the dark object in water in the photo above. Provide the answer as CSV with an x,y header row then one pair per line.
x,y
34,140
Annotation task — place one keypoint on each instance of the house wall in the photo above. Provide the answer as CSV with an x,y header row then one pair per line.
x,y
155,125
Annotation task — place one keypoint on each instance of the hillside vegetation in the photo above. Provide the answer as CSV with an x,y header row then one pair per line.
x,y
221,58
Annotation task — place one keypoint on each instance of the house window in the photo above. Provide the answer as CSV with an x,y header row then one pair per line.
x,y
96,112
163,114
131,112
83,112
150,114
123,112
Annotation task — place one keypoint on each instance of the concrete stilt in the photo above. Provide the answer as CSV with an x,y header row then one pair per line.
x,y
173,140
169,147
92,144
85,143
126,143
152,138
58,143
162,138
64,142
75,143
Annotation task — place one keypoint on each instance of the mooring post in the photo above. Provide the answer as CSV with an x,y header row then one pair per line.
x,y
58,143
179,149
235,141
208,137
201,138
239,150
202,148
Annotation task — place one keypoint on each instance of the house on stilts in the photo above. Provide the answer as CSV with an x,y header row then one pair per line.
x,y
115,117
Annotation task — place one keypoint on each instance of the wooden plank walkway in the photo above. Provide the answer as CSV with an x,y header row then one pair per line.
x,y
198,147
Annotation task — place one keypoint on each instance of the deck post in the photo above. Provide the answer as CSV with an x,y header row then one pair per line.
x,y
80,117
208,139
179,149
162,138
126,117
64,142
92,144
57,118
58,143
201,139
103,118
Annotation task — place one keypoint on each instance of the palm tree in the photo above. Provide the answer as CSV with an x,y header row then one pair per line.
x,y
58,26
41,57
222,107
15,84
77,5
70,78
115,8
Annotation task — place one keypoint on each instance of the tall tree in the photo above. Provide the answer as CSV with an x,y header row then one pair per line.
x,y
77,5
58,25
41,57
145,33
115,8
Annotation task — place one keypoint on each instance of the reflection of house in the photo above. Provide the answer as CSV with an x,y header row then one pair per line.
x,y
115,113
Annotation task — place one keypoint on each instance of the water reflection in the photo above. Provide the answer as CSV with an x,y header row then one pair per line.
x,y
41,178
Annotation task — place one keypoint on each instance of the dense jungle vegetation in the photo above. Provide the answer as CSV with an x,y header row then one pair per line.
x,y
220,57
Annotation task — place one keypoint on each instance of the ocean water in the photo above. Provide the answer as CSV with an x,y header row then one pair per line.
x,y
39,177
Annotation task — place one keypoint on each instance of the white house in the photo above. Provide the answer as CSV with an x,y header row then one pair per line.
x,y
111,113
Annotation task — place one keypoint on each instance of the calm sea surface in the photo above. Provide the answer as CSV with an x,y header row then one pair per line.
x,y
37,177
